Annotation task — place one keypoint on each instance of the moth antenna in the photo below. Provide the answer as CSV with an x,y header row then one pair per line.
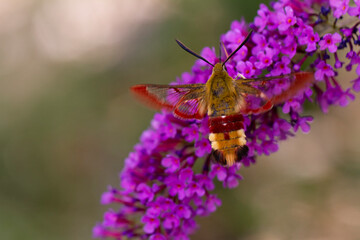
x,y
224,48
238,48
192,52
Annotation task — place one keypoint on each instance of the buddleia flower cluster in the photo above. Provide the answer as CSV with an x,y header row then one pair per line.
x,y
168,180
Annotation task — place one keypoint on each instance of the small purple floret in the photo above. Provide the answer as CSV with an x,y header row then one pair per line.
x,y
151,223
329,41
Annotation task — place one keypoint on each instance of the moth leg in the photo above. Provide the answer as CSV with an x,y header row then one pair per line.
x,y
239,76
246,88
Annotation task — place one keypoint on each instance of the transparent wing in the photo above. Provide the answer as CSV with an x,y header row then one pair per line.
x,y
258,95
185,101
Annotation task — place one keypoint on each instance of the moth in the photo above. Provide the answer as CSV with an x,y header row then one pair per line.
x,y
225,100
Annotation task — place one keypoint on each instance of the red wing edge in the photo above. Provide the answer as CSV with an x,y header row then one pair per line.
x,y
185,101
302,81
151,100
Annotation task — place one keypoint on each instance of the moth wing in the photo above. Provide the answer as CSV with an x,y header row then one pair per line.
x,y
185,101
258,95
299,83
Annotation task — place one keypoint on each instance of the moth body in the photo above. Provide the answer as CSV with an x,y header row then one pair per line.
x,y
227,136
225,100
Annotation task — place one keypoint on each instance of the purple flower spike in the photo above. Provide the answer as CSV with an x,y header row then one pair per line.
x,y
169,178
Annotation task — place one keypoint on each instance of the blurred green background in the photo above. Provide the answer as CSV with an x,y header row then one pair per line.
x,y
68,121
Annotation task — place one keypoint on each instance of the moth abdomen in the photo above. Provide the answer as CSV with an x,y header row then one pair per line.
x,y
228,138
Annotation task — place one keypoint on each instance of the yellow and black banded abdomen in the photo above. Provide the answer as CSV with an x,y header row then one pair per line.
x,y
228,139
222,141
